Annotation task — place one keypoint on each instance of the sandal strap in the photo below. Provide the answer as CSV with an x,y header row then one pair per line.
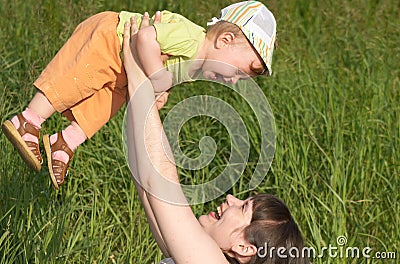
x,y
34,147
25,127
60,169
60,144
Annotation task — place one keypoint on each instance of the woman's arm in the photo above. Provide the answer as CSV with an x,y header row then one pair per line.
x,y
150,155
137,74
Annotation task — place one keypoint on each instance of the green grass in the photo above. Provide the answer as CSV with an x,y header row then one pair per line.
x,y
335,94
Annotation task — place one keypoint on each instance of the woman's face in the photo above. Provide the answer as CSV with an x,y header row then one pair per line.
x,y
226,225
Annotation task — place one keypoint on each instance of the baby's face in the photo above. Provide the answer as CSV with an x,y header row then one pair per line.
x,y
223,72
231,63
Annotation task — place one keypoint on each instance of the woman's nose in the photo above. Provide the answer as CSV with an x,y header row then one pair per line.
x,y
232,200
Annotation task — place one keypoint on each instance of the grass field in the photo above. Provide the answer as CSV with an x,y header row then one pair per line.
x,y
335,95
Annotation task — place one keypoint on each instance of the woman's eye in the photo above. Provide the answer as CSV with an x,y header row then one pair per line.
x,y
239,72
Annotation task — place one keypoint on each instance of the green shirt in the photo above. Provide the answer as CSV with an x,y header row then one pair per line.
x,y
177,36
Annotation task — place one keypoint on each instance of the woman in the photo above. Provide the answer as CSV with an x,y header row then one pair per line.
x,y
249,231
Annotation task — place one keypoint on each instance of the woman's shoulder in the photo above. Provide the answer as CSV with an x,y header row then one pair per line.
x,y
167,261
170,261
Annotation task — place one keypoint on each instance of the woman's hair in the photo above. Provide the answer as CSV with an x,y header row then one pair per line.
x,y
223,26
272,227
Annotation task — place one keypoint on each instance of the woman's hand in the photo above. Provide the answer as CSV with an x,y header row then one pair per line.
x,y
131,61
129,44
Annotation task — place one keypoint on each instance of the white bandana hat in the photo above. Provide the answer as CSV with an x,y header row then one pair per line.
x,y
258,25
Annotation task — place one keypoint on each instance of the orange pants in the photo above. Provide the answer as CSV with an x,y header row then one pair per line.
x,y
87,77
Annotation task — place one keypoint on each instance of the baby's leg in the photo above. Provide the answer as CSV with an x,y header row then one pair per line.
x,y
59,151
41,105
23,130
38,110
82,79
73,135
88,117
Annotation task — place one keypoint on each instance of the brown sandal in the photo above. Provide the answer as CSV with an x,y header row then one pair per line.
x,y
28,150
58,170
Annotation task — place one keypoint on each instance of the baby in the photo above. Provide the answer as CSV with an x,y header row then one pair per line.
x,y
86,80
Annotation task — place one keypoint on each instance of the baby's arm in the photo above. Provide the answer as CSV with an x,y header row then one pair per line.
x,y
149,54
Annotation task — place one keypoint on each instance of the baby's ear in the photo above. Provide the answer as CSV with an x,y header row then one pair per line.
x,y
225,39
161,100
